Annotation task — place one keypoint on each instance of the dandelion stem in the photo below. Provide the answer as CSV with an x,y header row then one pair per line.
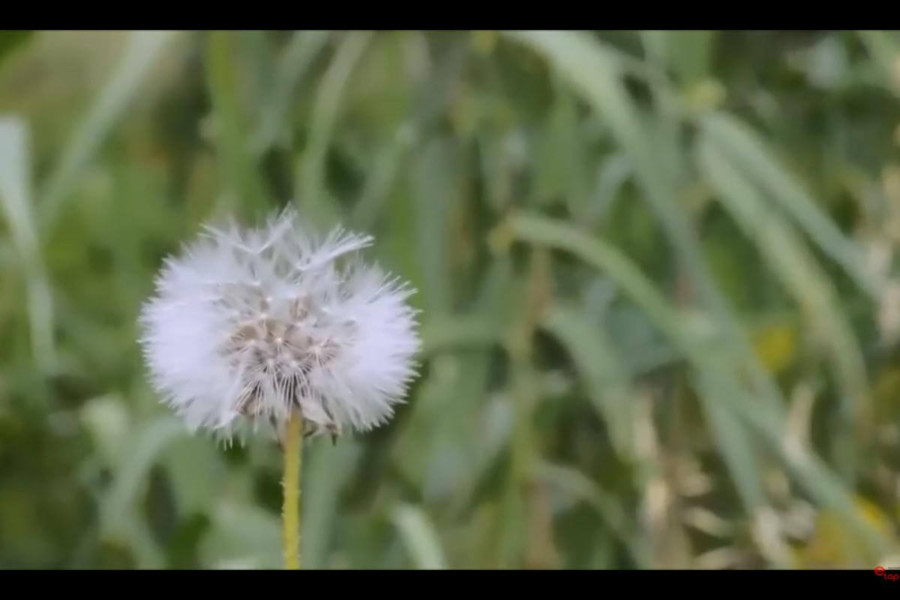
x,y
290,517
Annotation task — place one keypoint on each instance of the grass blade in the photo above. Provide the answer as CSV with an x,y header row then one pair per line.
x,y
605,377
310,185
299,56
143,49
419,536
15,200
748,152
231,137
803,278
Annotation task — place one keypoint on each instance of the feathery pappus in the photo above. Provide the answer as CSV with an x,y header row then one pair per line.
x,y
251,324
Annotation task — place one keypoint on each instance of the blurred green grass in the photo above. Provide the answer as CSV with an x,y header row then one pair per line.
x,y
660,312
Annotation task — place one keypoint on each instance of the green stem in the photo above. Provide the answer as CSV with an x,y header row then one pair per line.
x,y
290,517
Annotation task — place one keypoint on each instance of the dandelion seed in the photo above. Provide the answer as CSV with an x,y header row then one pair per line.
x,y
257,324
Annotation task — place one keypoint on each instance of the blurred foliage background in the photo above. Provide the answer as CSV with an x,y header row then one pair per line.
x,y
661,313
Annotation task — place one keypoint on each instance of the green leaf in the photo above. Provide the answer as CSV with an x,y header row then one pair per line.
x,y
310,188
757,162
231,128
242,536
295,62
803,278
610,509
144,48
16,203
10,40
326,469
606,378
419,537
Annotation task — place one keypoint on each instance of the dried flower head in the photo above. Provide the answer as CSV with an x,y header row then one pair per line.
x,y
258,323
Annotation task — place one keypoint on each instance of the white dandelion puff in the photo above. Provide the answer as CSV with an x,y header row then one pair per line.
x,y
250,325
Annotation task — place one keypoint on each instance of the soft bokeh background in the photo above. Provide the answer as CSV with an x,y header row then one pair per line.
x,y
660,308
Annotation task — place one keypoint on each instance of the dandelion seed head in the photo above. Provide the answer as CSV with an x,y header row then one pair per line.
x,y
253,324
